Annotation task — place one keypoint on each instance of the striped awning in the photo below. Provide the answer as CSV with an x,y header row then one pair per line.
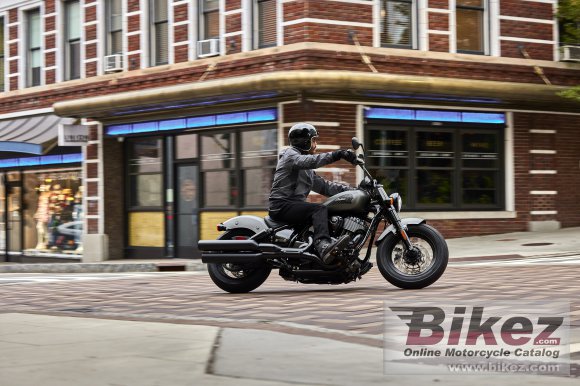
x,y
35,134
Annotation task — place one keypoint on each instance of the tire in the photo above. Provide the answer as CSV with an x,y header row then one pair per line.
x,y
255,277
433,271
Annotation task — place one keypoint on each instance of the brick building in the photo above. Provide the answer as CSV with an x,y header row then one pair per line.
x,y
187,103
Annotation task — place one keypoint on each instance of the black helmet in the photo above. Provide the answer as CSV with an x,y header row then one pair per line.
x,y
301,134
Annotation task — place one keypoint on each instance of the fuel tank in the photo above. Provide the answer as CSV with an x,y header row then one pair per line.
x,y
352,201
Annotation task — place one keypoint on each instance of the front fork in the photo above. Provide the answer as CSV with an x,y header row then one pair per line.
x,y
394,218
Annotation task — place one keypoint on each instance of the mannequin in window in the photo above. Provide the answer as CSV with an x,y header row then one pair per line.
x,y
41,216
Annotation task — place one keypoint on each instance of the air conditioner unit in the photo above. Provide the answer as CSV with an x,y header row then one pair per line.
x,y
209,47
570,54
114,63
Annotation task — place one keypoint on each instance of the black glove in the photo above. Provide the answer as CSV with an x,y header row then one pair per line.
x,y
349,156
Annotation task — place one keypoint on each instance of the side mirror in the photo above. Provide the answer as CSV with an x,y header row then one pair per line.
x,y
355,143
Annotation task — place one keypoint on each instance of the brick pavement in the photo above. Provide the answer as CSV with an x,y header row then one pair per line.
x,y
354,309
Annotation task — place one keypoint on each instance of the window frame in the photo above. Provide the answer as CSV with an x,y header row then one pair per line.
x,y
256,31
238,169
485,27
29,80
414,41
130,188
109,30
154,25
457,205
69,67
202,25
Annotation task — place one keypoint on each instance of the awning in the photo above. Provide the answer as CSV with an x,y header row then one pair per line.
x,y
35,134
330,84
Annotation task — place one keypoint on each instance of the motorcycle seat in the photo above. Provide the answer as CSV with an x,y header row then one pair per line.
x,y
273,223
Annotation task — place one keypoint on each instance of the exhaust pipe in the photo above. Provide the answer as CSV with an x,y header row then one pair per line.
x,y
246,251
227,245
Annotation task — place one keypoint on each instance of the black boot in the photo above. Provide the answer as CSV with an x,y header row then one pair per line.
x,y
327,249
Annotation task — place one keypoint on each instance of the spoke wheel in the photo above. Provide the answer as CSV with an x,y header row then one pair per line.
x,y
417,268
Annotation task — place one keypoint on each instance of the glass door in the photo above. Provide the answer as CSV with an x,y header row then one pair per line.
x,y
187,211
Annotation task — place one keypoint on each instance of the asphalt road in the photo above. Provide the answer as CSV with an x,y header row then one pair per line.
x,y
350,313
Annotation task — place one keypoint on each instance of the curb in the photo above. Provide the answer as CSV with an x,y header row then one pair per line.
x,y
102,267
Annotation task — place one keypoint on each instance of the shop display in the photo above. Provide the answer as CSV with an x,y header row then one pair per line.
x,y
57,212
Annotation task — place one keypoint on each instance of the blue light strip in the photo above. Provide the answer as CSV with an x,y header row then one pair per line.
x,y
44,160
254,116
434,115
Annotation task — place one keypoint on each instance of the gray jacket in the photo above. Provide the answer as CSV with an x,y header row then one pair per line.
x,y
294,177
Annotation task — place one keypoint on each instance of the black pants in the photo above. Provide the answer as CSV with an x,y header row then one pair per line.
x,y
304,213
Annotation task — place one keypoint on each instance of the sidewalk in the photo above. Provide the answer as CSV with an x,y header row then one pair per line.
x,y
70,351
563,241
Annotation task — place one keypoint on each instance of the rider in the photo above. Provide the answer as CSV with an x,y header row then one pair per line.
x,y
293,180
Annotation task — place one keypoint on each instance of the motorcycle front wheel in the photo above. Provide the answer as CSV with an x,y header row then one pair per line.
x,y
238,278
413,271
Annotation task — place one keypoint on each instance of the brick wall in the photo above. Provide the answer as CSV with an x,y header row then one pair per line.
x,y
302,21
307,59
114,193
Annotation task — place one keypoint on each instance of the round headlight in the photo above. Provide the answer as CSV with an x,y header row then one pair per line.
x,y
397,201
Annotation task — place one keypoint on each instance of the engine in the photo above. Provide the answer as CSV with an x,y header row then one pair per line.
x,y
353,225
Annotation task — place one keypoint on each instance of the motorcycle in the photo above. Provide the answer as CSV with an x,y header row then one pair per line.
x,y
410,253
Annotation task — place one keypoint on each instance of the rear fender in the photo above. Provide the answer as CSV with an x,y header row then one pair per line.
x,y
405,222
254,223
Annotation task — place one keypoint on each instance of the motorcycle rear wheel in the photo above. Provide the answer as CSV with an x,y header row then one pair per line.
x,y
434,257
238,278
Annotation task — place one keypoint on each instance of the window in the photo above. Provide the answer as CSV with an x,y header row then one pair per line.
x,y
397,23
145,173
568,22
159,32
72,49
114,27
441,168
470,26
238,168
209,19
2,45
265,24
33,57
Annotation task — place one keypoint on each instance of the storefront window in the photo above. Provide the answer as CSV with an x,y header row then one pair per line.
x,y
446,168
259,158
434,157
237,168
145,172
480,173
218,165
186,146
53,215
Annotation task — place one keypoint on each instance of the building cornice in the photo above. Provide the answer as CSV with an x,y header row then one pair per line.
x,y
320,82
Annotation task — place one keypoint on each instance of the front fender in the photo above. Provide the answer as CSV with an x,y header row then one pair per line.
x,y
254,223
405,222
